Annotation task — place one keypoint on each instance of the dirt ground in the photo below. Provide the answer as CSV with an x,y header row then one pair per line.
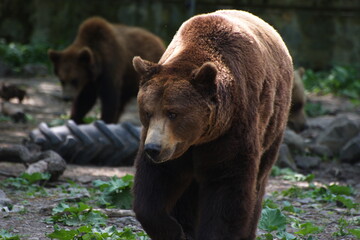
x,y
44,104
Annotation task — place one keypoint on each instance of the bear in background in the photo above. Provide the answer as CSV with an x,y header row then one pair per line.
x,y
213,110
98,64
297,116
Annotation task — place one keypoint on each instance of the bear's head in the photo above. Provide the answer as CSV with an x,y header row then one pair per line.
x,y
297,116
177,105
74,68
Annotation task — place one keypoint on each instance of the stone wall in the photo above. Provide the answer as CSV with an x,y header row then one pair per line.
x,y
319,33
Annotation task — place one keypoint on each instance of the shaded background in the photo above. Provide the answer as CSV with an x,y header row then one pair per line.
x,y
318,33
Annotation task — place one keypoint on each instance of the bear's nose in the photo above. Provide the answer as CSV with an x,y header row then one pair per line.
x,y
152,150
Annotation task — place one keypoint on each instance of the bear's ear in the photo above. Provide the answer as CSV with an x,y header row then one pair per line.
x,y
145,68
54,56
86,56
204,77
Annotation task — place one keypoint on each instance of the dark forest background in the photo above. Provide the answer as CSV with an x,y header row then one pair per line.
x,y
319,33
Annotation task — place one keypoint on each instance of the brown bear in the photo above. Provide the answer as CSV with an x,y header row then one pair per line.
x,y
297,116
98,64
213,109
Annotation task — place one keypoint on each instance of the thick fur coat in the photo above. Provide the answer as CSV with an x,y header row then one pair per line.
x,y
213,110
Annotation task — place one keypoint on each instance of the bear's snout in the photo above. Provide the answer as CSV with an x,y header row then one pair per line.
x,y
152,151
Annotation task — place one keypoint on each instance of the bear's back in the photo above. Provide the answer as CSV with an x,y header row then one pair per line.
x,y
95,30
230,35
141,42
130,41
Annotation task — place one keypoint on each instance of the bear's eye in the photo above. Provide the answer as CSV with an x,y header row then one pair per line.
x,y
148,115
171,115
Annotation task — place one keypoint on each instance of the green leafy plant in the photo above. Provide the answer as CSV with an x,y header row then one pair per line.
x,y
273,221
287,206
341,80
116,192
77,215
5,118
342,195
308,228
355,232
6,235
288,174
342,225
63,118
314,109
87,232
17,55
344,229
31,184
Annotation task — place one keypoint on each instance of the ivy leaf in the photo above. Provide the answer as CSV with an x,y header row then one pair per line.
x,y
308,228
355,232
5,235
63,234
346,201
61,207
285,236
116,192
272,219
95,233
341,190
77,215
35,177
290,208
269,203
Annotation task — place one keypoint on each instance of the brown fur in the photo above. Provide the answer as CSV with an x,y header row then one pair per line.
x,y
297,116
214,110
9,91
99,64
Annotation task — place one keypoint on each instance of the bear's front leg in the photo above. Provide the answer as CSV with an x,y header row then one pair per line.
x,y
227,203
110,102
83,103
157,187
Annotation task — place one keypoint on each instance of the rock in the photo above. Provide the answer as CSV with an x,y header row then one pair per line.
x,y
338,133
294,141
4,200
49,161
315,126
321,122
321,150
285,159
16,153
40,166
351,151
307,162
14,111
